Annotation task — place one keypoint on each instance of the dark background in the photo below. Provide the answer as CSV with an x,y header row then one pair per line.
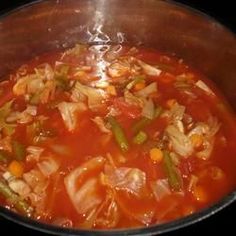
x,y
223,11
222,222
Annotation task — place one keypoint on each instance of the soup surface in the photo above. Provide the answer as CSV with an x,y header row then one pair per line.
x,y
113,137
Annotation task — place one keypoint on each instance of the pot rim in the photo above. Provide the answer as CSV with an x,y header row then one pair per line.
x,y
150,230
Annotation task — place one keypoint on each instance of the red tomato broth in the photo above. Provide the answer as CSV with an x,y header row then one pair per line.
x,y
88,140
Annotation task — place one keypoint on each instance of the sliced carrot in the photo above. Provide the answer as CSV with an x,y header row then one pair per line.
x,y
170,102
156,155
16,168
140,85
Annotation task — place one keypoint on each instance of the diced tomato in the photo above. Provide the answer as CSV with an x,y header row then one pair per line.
x,y
128,110
166,78
196,106
187,166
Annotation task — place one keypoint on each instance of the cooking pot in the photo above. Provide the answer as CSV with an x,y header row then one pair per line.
x,y
166,26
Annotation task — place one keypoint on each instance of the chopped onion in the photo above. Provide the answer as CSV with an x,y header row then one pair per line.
x,y
148,110
20,86
69,111
208,148
175,114
8,176
23,117
36,180
148,90
60,149
200,84
20,187
34,85
118,69
145,216
131,180
160,188
180,142
101,125
132,99
95,96
34,153
207,131
85,197
31,110
45,71
48,166
108,215
148,69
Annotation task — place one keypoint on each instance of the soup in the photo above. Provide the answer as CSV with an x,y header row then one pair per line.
x,y
113,137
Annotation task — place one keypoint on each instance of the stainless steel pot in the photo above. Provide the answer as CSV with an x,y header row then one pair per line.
x,y
172,28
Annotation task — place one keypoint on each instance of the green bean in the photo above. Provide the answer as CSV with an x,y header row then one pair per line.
x,y
144,121
19,150
140,137
119,134
20,205
4,157
140,124
5,110
173,176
